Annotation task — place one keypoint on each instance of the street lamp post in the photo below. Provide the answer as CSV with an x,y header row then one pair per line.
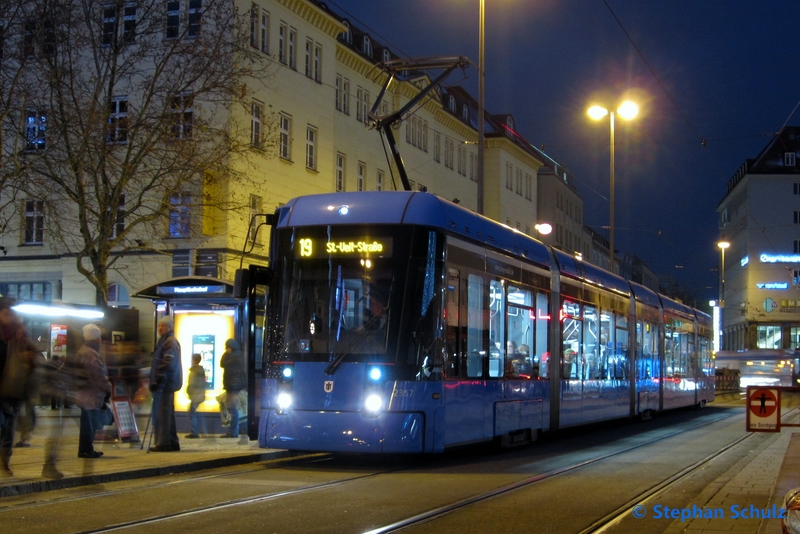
x,y
722,246
627,110
480,107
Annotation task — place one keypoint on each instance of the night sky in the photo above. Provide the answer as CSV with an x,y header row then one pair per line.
x,y
714,81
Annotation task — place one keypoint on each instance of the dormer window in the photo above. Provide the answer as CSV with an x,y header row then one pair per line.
x,y
465,113
366,46
386,55
789,159
452,104
510,126
348,34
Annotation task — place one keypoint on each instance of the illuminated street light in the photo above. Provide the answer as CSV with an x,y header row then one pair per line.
x,y
627,110
543,228
722,246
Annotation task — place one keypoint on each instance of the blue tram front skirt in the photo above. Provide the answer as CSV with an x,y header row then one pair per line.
x,y
342,432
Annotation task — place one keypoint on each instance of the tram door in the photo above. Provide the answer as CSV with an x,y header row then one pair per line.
x,y
257,297
466,352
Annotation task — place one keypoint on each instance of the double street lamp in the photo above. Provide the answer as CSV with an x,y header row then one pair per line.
x,y
722,246
627,110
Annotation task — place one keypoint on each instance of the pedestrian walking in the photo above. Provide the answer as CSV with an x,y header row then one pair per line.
x,y
166,377
196,391
92,390
234,380
54,383
15,371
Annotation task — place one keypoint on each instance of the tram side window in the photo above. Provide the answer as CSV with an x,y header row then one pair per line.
x,y
620,364
542,352
591,344
454,326
475,326
571,340
497,316
606,345
521,314
646,340
672,352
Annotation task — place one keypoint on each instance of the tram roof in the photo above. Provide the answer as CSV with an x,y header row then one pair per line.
x,y
406,207
677,308
645,295
589,273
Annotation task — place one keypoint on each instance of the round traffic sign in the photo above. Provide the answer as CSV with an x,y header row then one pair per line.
x,y
763,403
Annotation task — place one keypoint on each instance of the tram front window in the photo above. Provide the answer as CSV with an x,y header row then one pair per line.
x,y
338,306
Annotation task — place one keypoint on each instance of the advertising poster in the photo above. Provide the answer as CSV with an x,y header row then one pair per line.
x,y
204,346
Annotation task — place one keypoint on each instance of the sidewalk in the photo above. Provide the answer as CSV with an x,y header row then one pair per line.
x,y
121,460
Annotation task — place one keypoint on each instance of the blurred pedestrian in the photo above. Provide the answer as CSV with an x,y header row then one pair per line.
x,y
92,390
15,371
234,380
54,382
166,377
196,391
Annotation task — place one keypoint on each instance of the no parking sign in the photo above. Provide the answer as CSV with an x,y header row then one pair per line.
x,y
763,409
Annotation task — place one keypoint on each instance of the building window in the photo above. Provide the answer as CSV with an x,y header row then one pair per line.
x,y
348,35
254,12
311,148
173,24
346,96
795,341
362,174
379,181
365,106
41,32
256,117
119,219
179,215
292,48
387,56
768,337
509,176
265,31
528,186
285,136
254,211
789,159
340,170
448,162
797,188
797,217
462,160
465,113
797,246
359,96
473,167
796,277
367,47
282,31
309,57
452,104
118,120
182,116
35,126
195,14
318,63
111,17
338,92
436,148
519,182
34,222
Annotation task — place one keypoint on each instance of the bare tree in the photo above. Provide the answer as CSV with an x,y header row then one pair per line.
x,y
125,116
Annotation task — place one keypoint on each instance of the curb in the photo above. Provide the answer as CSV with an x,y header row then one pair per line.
x,y
26,488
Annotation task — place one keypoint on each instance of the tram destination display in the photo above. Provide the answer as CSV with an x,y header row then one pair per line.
x,y
309,247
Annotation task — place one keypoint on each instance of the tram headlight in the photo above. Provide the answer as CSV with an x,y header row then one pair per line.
x,y
373,403
375,374
287,372
284,400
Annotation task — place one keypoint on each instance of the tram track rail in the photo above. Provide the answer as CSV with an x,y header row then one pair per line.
x,y
437,512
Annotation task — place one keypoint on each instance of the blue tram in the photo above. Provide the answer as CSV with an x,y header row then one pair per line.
x,y
400,322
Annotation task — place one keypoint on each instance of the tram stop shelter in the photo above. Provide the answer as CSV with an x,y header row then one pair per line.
x,y
206,314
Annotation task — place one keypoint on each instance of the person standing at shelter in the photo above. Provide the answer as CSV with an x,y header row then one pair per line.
x,y
166,377
234,380
15,371
196,390
92,390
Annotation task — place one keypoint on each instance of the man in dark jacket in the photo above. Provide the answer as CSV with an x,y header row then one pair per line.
x,y
166,377
14,372
234,380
